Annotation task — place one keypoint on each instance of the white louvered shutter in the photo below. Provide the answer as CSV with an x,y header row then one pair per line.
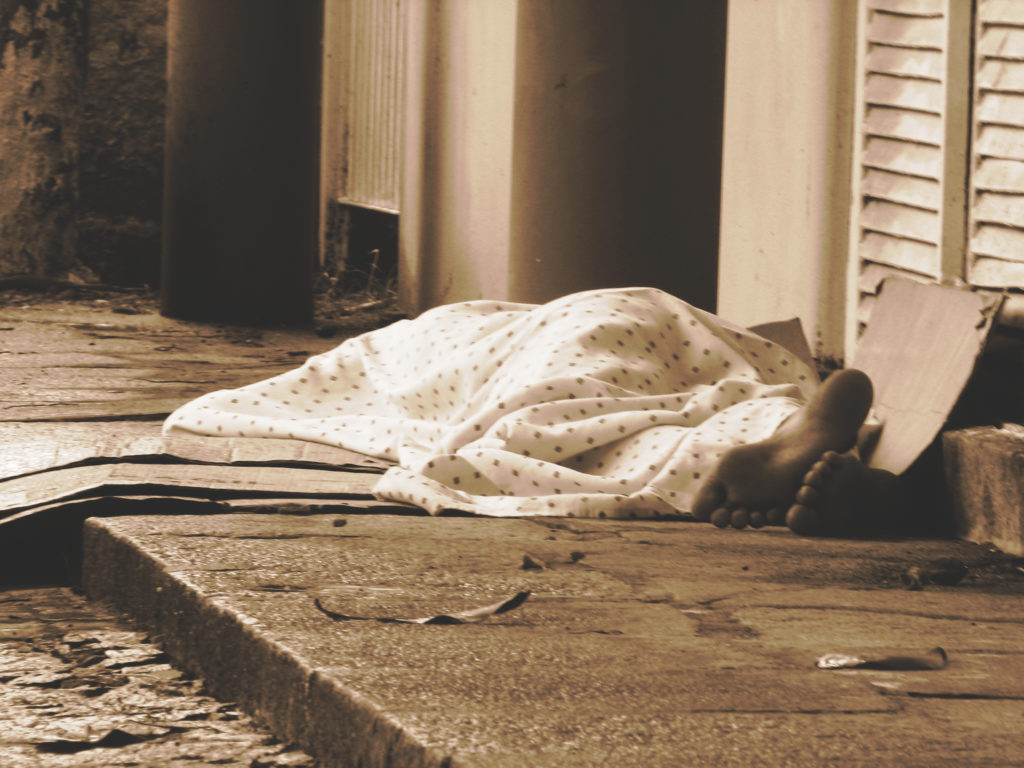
x,y
910,152
996,251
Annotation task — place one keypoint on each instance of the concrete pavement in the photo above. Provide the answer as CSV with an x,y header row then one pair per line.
x,y
642,643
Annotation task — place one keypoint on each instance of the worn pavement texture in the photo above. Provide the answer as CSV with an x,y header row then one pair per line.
x,y
654,644
83,689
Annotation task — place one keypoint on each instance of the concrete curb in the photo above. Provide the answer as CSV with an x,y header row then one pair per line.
x,y
641,643
338,726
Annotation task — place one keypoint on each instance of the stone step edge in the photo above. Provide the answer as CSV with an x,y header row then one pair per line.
x,y
338,726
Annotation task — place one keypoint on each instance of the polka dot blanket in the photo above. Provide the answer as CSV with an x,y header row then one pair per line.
x,y
608,403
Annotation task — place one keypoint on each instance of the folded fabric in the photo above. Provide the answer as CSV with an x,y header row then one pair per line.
x,y
609,403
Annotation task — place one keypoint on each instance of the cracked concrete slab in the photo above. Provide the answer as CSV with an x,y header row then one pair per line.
x,y
640,644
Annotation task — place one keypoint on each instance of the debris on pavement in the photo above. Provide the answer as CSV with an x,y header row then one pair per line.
x,y
471,616
947,572
936,658
532,563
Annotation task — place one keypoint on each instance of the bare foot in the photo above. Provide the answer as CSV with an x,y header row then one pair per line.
x,y
841,495
753,484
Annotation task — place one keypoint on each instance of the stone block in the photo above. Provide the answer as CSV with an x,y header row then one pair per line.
x,y
985,477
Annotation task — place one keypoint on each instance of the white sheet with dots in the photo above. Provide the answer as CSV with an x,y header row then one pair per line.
x,y
609,403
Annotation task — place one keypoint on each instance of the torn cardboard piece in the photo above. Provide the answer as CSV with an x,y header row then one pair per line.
x,y
936,658
471,616
32,447
790,335
919,348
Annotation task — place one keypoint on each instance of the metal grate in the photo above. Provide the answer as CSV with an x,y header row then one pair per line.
x,y
363,108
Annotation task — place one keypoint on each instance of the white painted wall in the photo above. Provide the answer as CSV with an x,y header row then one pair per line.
x,y
457,156
786,165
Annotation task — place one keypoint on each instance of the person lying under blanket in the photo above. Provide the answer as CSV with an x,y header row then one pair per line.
x,y
607,403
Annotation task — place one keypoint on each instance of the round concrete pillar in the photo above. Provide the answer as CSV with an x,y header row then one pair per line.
x,y
616,163
242,161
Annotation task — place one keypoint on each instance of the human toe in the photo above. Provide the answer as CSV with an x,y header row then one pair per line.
x,y
739,518
721,518
708,500
802,520
818,475
808,495
776,516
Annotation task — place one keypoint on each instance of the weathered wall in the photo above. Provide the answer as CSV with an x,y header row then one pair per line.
x,y
121,140
82,86
41,65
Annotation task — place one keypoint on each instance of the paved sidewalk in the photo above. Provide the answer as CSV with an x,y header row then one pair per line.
x,y
654,644
642,643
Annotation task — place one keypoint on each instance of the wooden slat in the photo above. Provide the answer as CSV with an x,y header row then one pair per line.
x,y
864,308
1002,42
1000,141
999,75
909,62
1002,11
911,7
996,273
909,31
903,157
900,220
993,207
903,124
872,275
1001,109
921,193
911,255
999,175
907,93
1000,242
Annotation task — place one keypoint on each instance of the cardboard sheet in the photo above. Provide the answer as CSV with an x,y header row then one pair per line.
x,y
34,447
123,504
790,334
920,347
181,480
